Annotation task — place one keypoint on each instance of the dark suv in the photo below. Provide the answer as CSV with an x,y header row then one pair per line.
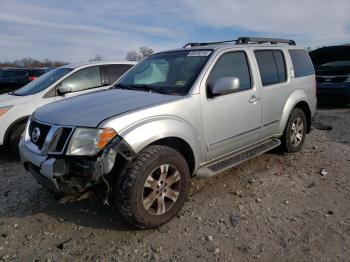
x,y
332,66
14,78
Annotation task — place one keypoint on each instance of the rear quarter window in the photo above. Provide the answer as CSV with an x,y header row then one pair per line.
x,y
302,64
116,71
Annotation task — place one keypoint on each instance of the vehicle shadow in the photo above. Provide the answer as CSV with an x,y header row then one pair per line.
x,y
89,213
7,156
23,197
334,120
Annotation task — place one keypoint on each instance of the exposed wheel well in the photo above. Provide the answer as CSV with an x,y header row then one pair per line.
x,y
181,146
305,107
10,128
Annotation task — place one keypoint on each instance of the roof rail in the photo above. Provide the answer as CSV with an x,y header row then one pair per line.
x,y
246,40
261,40
208,43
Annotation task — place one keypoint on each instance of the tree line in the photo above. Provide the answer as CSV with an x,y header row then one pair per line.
x,y
132,55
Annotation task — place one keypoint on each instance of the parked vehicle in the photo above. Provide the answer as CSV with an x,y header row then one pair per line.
x,y
58,84
198,110
34,73
12,79
332,73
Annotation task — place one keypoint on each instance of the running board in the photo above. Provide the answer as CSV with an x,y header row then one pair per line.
x,y
236,158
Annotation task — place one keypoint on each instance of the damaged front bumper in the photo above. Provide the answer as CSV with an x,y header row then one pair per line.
x,y
73,176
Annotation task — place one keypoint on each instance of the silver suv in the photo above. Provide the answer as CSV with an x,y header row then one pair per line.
x,y
198,110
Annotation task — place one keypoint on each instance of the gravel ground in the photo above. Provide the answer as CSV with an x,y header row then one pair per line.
x,y
272,208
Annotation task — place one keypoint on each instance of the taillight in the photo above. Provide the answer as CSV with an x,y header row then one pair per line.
x,y
315,86
31,78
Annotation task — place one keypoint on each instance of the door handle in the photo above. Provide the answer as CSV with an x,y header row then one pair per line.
x,y
254,99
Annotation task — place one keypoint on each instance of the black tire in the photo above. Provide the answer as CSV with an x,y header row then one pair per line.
x,y
15,136
288,143
130,189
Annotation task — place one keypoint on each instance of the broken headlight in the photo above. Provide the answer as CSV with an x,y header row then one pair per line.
x,y
89,141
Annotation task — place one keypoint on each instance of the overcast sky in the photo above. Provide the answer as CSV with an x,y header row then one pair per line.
x,y
77,30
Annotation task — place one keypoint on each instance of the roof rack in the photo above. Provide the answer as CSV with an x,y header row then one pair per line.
x,y
262,40
246,40
208,43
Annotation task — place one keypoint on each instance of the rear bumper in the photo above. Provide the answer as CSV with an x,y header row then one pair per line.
x,y
334,92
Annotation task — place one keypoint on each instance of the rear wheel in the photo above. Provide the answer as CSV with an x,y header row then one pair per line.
x,y
295,132
153,187
15,136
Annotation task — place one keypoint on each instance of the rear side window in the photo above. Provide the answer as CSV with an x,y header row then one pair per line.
x,y
86,78
233,64
36,72
272,66
114,72
301,63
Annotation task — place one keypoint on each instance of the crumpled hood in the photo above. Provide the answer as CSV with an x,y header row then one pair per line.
x,y
91,109
11,100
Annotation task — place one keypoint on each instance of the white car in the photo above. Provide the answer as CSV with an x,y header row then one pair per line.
x,y
60,83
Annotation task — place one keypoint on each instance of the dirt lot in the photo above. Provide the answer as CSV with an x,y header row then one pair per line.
x,y
272,208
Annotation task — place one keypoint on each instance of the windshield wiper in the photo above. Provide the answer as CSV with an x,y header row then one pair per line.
x,y
144,87
13,93
120,86
148,88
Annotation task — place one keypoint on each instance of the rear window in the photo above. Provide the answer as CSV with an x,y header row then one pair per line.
x,y
272,66
301,63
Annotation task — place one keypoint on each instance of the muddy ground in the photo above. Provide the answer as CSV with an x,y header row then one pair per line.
x,y
272,208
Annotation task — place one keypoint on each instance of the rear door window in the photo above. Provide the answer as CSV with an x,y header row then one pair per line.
x,y
114,72
302,64
86,78
272,66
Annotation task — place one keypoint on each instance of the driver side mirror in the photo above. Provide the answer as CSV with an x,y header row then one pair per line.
x,y
225,85
63,89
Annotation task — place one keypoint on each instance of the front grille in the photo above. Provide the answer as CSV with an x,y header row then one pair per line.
x,y
331,80
56,137
38,133
63,139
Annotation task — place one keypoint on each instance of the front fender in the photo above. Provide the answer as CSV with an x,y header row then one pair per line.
x,y
296,97
147,131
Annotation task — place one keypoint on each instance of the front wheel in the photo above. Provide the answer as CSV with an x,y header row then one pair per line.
x,y
294,135
153,187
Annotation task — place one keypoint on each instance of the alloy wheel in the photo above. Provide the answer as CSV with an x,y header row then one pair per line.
x,y
161,189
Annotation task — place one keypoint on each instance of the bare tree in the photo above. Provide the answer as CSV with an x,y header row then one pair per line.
x,y
141,54
145,51
96,58
133,56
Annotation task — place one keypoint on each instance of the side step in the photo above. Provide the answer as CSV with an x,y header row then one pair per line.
x,y
237,157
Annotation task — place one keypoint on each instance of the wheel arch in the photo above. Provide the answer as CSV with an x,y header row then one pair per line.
x,y
298,99
9,129
173,132
180,146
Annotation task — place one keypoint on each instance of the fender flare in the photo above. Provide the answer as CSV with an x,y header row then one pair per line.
x,y
297,96
143,133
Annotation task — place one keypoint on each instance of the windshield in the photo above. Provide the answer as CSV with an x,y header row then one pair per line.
x,y
336,64
169,73
42,82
